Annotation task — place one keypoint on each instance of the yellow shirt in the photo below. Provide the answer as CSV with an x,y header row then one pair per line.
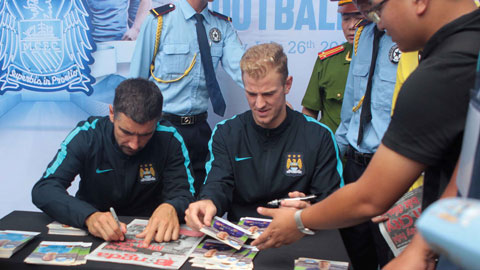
x,y
407,64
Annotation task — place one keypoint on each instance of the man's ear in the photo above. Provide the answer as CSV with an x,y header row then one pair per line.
x,y
288,84
110,108
421,6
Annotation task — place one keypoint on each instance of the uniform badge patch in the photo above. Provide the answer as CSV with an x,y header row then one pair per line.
x,y
147,173
394,54
294,164
215,35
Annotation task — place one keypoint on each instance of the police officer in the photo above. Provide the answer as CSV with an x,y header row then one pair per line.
x,y
365,116
178,48
327,83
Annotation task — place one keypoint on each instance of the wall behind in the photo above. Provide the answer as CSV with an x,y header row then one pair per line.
x,y
34,123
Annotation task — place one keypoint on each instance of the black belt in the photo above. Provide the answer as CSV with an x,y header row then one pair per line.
x,y
186,119
358,157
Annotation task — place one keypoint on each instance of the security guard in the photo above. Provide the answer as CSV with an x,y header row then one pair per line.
x,y
178,48
327,83
365,116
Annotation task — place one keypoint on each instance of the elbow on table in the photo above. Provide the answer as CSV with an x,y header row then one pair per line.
x,y
39,198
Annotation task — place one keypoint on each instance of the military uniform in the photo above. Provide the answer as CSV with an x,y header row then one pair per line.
x,y
327,84
178,72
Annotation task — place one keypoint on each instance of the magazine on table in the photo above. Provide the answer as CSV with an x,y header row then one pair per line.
x,y
59,253
227,232
11,241
165,255
58,228
318,264
256,226
213,254
211,248
399,229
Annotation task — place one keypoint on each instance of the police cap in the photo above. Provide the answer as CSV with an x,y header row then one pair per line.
x,y
346,6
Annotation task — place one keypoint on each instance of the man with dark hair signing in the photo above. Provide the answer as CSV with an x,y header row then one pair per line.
x,y
268,152
130,160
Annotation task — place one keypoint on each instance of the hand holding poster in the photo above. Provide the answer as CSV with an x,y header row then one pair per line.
x,y
226,232
399,229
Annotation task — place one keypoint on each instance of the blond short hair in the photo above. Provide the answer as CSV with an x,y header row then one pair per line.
x,y
259,59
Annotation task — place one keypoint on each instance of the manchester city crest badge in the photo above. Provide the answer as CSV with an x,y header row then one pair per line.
x,y
215,35
294,164
394,54
147,173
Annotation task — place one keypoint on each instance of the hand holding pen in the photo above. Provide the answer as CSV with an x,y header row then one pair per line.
x,y
296,199
105,225
114,214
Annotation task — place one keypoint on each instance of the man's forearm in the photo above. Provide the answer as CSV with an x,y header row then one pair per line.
x,y
369,196
336,212
52,199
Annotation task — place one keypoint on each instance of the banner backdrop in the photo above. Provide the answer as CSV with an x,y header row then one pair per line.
x,y
61,59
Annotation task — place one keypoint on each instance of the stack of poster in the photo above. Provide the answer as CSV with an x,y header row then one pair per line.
x,y
167,255
62,229
316,264
256,226
399,229
227,232
12,241
59,253
213,254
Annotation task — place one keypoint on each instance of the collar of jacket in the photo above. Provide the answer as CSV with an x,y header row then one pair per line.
x,y
273,132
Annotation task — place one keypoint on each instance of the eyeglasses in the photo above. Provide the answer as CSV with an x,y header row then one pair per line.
x,y
373,13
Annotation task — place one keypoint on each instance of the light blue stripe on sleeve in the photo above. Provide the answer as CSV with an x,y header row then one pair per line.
x,y
208,165
339,161
63,147
184,151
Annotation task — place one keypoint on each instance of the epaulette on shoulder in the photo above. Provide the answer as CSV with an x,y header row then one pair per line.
x,y
221,16
331,51
361,23
358,32
159,11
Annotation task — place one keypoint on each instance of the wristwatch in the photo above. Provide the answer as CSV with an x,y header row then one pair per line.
x,y
298,221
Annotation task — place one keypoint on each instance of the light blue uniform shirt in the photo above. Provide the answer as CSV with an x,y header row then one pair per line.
x,y
382,91
178,44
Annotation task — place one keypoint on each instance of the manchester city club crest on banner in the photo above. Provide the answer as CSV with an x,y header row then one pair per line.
x,y
45,46
294,164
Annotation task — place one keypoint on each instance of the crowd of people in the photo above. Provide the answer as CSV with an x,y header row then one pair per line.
x,y
155,154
